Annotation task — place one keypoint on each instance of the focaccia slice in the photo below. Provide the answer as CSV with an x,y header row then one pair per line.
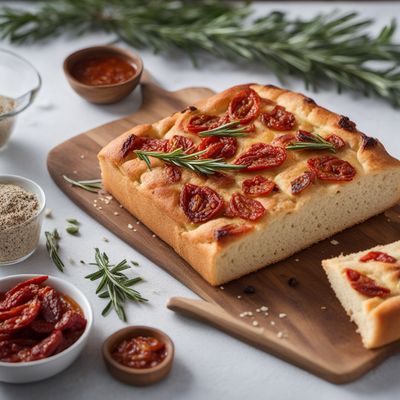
x,y
368,286
282,200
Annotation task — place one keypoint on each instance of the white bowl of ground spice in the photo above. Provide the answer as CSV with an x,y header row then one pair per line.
x,y
22,204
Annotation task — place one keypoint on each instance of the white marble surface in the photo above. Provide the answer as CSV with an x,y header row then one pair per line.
x,y
209,364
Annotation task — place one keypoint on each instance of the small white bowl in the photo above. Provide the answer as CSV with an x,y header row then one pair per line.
x,y
32,226
33,371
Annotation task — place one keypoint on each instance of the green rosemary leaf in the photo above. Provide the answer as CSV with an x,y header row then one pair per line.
x,y
314,142
114,285
93,185
333,47
178,157
52,239
231,129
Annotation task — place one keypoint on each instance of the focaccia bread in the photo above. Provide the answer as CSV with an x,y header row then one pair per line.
x,y
283,199
368,286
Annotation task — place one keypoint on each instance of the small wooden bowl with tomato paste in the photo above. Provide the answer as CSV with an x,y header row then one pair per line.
x,y
44,325
139,355
103,74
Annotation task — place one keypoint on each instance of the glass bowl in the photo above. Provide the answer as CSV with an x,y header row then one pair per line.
x,y
19,85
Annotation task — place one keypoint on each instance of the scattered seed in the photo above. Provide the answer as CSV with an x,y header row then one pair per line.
x,y
296,259
272,323
116,213
258,310
264,308
266,314
153,235
282,315
255,323
130,226
221,287
249,290
293,282
48,212
137,222
239,297
323,308
334,242
82,156
105,239
280,334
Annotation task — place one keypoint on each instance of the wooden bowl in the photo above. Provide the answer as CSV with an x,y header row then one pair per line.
x,y
138,376
104,94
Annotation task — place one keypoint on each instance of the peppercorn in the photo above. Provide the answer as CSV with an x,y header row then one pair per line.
x,y
249,290
293,282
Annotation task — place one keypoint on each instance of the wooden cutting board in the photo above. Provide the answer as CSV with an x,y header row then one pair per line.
x,y
315,334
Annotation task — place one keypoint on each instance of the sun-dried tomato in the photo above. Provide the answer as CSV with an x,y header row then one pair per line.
x,y
302,182
304,136
337,141
245,106
378,256
71,320
10,348
134,142
51,306
279,119
200,203
37,280
43,349
42,326
22,320
172,173
258,186
244,207
262,156
231,230
284,140
181,142
365,285
12,312
218,147
23,295
203,122
331,168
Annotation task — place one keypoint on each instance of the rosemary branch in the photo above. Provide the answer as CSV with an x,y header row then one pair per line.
x,y
315,142
330,47
114,284
231,129
92,185
178,157
52,239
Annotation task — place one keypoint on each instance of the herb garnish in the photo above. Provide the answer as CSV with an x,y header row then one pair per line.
x,y
52,239
314,142
178,157
92,185
232,129
114,284
330,47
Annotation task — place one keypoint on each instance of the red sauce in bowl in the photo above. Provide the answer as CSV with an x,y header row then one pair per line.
x,y
140,352
100,71
37,322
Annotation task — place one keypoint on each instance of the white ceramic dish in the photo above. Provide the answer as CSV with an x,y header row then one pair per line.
x,y
32,226
42,369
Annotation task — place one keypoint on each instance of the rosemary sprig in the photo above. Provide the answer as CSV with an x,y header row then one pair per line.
x,y
178,157
315,142
52,239
231,129
114,284
92,185
325,48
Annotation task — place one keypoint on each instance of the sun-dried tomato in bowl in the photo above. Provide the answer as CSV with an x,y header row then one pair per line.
x,y
37,321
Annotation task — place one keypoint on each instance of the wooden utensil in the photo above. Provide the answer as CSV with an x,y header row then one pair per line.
x,y
321,340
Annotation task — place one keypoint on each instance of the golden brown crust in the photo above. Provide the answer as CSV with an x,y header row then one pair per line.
x,y
198,243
